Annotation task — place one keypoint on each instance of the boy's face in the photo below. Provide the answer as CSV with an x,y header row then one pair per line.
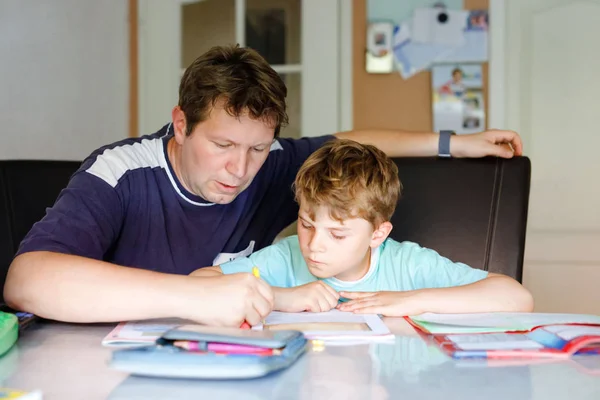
x,y
336,249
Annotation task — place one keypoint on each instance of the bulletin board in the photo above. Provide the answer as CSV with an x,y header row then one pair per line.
x,y
387,101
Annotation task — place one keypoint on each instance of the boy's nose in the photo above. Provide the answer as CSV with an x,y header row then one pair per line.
x,y
316,244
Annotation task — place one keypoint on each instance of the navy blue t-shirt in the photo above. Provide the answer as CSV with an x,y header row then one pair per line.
x,y
126,206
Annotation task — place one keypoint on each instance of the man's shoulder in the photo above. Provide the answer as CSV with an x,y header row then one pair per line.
x,y
111,162
288,147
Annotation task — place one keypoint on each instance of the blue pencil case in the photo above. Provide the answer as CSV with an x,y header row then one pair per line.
x,y
166,358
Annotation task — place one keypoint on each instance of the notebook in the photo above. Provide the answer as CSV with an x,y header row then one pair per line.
x,y
552,341
140,333
328,326
495,322
511,335
331,326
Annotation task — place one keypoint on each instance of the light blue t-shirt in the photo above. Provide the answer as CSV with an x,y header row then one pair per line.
x,y
394,266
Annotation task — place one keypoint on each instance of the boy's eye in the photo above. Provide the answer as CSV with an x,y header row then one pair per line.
x,y
305,226
336,237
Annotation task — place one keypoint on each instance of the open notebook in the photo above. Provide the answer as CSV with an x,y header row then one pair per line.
x,y
495,322
512,335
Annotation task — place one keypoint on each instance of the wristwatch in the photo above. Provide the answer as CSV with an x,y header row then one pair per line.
x,y
444,143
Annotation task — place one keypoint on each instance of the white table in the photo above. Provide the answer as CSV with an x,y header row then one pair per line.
x,y
67,362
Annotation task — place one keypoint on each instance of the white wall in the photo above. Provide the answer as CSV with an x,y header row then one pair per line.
x,y
63,77
545,85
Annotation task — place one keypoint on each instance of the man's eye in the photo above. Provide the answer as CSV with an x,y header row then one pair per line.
x,y
259,149
222,145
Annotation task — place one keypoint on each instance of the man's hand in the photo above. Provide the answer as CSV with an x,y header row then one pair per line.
x,y
389,304
314,297
494,142
228,300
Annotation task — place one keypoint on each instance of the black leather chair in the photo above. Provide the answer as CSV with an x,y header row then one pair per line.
x,y
473,211
469,210
27,188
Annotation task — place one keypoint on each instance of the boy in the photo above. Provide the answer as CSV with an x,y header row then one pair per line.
x,y
347,194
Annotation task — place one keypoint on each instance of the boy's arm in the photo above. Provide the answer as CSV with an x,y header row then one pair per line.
x,y
427,282
494,142
275,264
496,293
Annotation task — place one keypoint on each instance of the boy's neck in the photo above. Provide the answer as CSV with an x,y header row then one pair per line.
x,y
357,272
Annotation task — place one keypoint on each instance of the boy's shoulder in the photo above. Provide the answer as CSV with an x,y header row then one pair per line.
x,y
393,246
393,252
288,245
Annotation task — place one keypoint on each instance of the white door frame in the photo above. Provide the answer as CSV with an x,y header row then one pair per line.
x,y
326,64
497,66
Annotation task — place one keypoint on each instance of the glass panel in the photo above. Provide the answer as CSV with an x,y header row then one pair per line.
x,y
206,24
293,83
273,29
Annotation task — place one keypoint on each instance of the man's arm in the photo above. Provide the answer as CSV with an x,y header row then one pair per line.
x,y
496,293
314,296
57,272
215,270
78,289
493,142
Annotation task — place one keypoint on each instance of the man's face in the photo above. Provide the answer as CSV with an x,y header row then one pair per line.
x,y
222,155
334,248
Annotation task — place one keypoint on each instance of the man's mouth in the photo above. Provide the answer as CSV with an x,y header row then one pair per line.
x,y
227,188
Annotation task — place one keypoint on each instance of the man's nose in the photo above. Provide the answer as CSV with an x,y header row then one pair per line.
x,y
238,165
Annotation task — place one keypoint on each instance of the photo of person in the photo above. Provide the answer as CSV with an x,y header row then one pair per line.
x,y
478,20
458,97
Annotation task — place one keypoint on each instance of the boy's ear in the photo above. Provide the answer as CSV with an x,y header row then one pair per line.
x,y
381,233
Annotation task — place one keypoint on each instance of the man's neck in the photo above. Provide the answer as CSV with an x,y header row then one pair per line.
x,y
174,154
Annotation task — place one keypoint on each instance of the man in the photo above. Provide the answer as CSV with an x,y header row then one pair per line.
x,y
212,185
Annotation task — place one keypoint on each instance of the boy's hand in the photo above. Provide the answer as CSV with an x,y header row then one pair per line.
x,y
314,297
390,304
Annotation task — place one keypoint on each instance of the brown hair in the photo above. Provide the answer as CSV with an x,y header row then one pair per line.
x,y
352,179
238,76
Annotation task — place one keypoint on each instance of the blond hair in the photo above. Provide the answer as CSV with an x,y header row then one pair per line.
x,y
353,180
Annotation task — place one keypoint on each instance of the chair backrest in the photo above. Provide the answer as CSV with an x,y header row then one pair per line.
x,y
469,210
27,188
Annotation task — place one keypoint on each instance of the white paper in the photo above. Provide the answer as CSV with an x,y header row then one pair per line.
x,y
427,28
140,333
412,58
457,97
569,332
494,341
333,325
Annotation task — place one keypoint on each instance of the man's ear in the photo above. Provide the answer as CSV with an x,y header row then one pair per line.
x,y
179,124
381,233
